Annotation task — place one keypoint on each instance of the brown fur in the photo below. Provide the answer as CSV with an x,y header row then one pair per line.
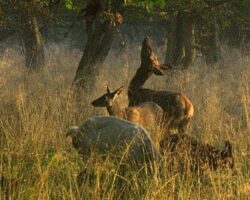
x,y
190,154
178,109
147,114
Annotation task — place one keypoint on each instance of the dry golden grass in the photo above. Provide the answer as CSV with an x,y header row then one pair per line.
x,y
36,110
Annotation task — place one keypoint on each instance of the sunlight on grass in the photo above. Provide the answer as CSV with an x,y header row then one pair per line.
x,y
36,110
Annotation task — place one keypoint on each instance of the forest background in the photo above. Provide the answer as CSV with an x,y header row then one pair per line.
x,y
50,49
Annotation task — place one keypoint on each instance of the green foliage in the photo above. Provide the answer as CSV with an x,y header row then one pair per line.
x,y
149,5
69,4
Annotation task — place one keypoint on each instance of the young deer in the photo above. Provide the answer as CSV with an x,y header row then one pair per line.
x,y
178,109
147,114
192,155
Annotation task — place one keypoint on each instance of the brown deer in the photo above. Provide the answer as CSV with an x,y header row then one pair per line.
x,y
147,114
192,155
178,109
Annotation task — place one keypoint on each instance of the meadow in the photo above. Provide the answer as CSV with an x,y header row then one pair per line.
x,y
36,110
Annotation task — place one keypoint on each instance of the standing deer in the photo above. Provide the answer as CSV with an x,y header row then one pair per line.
x,y
147,114
178,109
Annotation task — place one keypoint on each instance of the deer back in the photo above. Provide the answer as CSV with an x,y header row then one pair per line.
x,y
195,155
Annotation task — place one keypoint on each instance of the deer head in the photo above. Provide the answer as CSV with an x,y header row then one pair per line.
x,y
149,60
108,98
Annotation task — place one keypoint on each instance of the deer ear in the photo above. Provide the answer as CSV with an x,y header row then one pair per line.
x,y
118,91
108,90
157,71
165,66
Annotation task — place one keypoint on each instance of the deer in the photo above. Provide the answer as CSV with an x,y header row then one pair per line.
x,y
177,108
192,155
147,114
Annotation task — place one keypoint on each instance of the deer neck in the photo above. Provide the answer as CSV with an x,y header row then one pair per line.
x,y
111,111
141,76
115,110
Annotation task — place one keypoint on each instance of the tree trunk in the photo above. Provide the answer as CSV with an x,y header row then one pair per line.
x,y
233,34
211,45
98,44
189,40
181,40
179,45
34,51
100,30
171,39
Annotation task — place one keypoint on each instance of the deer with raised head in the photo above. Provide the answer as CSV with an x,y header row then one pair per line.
x,y
178,109
147,114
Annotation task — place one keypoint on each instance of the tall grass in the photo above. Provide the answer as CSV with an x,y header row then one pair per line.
x,y
39,162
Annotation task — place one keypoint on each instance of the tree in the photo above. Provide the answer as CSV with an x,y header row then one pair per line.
x,y
181,39
210,42
34,51
22,17
236,31
181,29
101,18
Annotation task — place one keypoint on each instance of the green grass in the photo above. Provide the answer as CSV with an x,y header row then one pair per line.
x,y
36,110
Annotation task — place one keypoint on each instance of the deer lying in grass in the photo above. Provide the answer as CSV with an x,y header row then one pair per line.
x,y
190,154
178,109
147,114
